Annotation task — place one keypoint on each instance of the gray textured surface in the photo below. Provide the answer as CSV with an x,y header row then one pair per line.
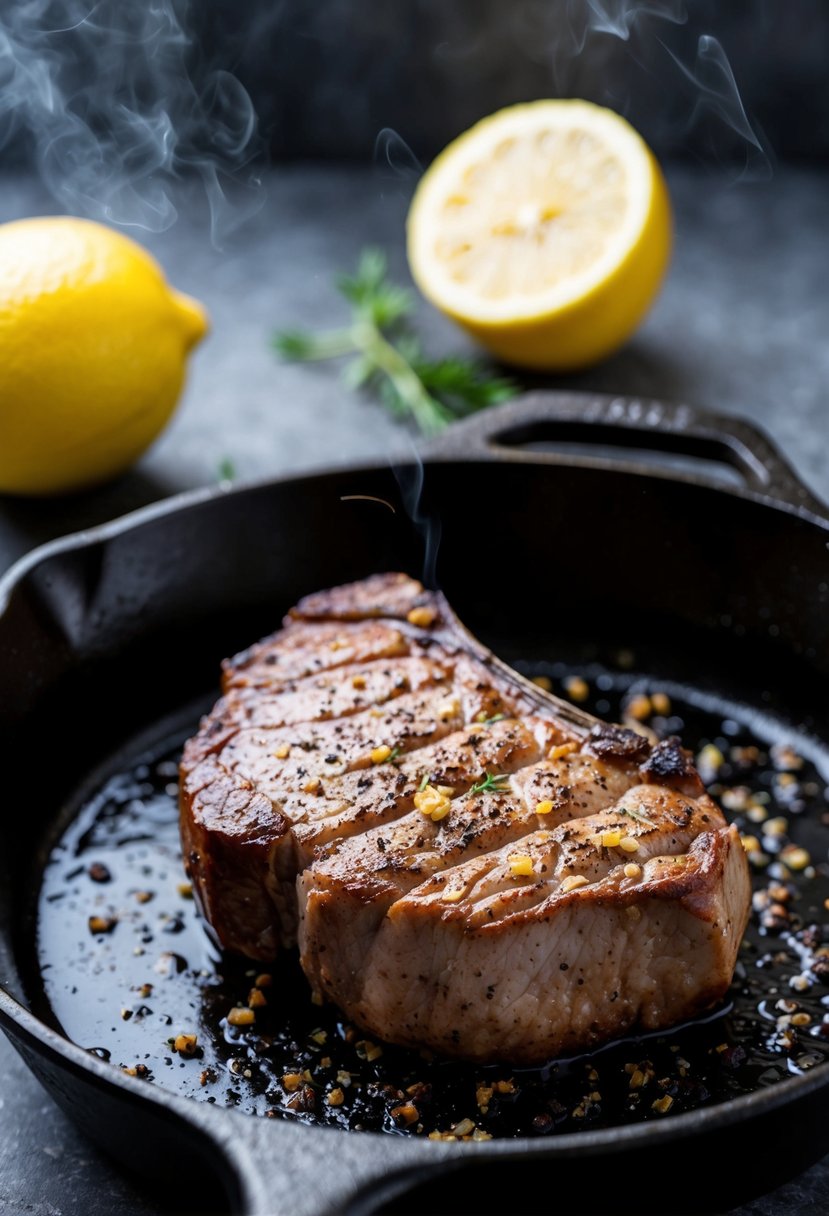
x,y
740,327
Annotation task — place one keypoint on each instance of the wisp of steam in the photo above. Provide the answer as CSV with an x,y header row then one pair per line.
x,y
115,104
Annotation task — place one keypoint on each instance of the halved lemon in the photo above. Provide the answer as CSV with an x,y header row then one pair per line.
x,y
545,231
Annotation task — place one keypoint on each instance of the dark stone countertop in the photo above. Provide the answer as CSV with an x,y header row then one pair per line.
x,y
740,328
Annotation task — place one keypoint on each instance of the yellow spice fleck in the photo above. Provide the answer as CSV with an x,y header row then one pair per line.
x,y
381,753
632,870
256,998
452,897
572,881
434,803
450,708
521,865
559,750
421,617
283,751
336,1097
611,839
543,808
628,845
358,681
661,703
662,1105
543,682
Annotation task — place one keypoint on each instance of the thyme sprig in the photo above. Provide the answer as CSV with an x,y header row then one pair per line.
x,y
387,357
638,816
491,784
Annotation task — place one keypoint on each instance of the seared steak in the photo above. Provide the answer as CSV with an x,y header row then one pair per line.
x,y
467,863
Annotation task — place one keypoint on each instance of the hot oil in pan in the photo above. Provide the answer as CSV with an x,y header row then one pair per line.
x,y
127,968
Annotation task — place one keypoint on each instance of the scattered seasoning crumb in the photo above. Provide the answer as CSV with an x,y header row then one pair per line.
x,y
464,1128
318,1036
629,845
336,1097
144,897
405,1115
504,1087
544,807
633,913
632,870
543,682
98,872
185,890
241,1016
521,865
661,703
358,681
283,751
483,1097
102,924
186,1044
381,753
801,1019
256,998
137,1070
264,980
662,1105
292,1081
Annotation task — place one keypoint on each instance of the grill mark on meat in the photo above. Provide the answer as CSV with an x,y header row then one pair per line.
x,y
292,827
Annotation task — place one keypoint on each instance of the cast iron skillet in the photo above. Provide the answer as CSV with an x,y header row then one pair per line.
x,y
722,585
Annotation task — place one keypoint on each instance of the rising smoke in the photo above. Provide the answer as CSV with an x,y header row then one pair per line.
x,y
114,104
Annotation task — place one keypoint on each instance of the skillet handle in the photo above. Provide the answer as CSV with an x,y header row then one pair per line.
x,y
282,1168
626,423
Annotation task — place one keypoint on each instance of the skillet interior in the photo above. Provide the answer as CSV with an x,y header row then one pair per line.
x,y
720,592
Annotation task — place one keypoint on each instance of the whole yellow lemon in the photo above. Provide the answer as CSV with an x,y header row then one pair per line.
x,y
93,345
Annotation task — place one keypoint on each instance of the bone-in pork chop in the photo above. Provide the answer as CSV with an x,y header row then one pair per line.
x,y
467,863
